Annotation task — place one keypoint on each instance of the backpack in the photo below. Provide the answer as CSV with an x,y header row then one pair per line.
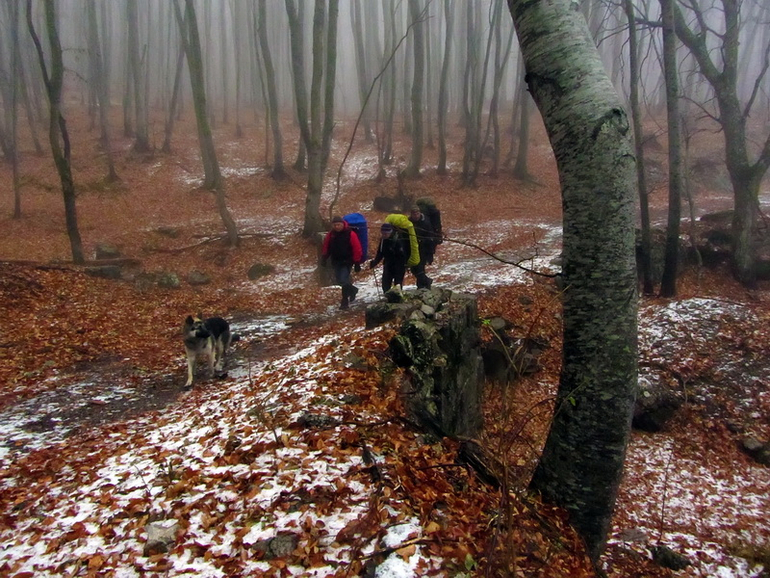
x,y
357,223
433,214
403,223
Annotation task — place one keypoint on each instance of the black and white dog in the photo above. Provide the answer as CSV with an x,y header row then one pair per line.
x,y
207,338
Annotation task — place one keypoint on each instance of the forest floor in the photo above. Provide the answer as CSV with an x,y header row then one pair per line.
x,y
98,439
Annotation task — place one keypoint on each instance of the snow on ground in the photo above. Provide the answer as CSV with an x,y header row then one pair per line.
x,y
177,462
183,451
668,496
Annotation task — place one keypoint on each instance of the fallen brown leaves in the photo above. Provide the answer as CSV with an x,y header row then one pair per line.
x,y
56,317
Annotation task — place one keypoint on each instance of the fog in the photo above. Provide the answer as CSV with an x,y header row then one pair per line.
x,y
236,75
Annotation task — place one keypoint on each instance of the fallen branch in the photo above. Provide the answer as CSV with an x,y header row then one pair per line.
x,y
208,239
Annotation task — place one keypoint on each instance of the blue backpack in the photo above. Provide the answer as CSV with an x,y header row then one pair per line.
x,y
357,222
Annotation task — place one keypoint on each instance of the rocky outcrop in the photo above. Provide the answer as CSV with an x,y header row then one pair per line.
x,y
439,345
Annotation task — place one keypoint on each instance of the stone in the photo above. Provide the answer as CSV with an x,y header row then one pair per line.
x,y
160,535
166,231
106,251
666,557
258,270
104,271
280,546
196,278
759,451
169,280
656,404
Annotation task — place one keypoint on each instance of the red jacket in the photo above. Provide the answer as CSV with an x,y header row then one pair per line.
x,y
342,248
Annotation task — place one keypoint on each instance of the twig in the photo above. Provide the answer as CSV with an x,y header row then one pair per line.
x,y
366,101
497,258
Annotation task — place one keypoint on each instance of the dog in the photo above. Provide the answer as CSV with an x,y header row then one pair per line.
x,y
208,338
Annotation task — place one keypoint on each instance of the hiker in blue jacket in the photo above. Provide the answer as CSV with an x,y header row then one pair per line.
x,y
393,250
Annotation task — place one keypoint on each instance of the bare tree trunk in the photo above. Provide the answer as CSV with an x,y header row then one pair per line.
x,y
13,14
173,105
582,461
316,134
102,89
521,168
471,85
501,59
297,35
745,175
224,63
443,93
390,85
213,178
356,23
278,169
237,17
641,179
142,142
671,264
415,162
330,79
57,127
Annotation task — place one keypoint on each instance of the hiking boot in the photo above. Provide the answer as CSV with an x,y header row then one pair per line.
x,y
344,302
352,292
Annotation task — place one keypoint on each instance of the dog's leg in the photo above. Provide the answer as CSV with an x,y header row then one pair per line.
x,y
210,355
190,368
220,354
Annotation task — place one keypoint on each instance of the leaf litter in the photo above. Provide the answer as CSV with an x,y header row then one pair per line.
x,y
241,468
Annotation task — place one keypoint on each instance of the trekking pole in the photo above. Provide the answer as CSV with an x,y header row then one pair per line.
x,y
376,284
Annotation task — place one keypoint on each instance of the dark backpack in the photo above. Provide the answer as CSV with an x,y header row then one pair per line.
x,y
433,214
357,223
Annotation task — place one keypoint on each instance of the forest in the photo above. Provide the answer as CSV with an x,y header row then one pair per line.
x,y
601,171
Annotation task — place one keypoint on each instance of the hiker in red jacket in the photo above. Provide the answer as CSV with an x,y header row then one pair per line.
x,y
342,247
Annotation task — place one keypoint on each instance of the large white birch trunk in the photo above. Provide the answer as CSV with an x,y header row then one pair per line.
x,y
582,461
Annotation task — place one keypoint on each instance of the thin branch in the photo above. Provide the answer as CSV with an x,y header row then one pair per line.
x,y
497,258
366,101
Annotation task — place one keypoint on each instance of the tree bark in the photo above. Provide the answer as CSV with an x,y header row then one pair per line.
x,y
15,82
102,89
356,22
418,82
318,131
745,175
279,172
172,107
297,45
57,126
645,260
582,461
212,176
142,142
443,92
671,74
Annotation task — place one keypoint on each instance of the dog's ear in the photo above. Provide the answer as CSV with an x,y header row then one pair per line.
x,y
200,316
189,320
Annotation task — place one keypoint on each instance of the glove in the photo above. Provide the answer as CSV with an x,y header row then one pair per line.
x,y
357,267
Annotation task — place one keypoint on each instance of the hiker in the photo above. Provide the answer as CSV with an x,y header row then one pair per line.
x,y
393,250
342,247
426,242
